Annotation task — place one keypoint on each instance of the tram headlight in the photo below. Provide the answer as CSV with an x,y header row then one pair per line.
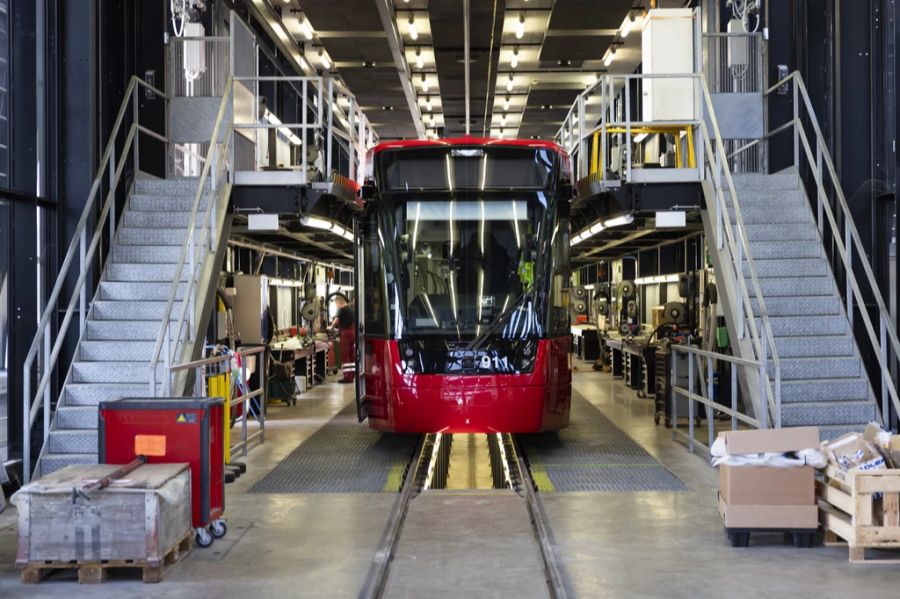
x,y
527,353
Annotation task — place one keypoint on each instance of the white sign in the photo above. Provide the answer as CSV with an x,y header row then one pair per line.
x,y
262,222
671,219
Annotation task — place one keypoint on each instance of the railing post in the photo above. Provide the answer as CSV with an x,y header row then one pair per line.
x,y
763,405
112,205
82,266
739,274
885,372
26,423
167,361
137,136
247,400
796,124
192,241
734,367
262,367
848,248
628,156
691,401
673,382
332,100
711,398
820,187
302,152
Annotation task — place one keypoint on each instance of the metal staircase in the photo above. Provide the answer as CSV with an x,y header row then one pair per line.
x,y
125,317
823,382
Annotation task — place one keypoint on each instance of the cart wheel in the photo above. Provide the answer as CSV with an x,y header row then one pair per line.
x,y
739,539
203,538
656,419
803,540
219,528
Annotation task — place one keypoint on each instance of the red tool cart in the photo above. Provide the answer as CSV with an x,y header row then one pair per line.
x,y
167,430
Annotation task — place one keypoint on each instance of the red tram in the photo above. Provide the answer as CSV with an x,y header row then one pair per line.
x,y
462,269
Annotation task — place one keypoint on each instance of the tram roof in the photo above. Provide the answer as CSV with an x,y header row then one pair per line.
x,y
468,141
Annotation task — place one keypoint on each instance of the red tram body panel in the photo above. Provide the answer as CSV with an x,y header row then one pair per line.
x,y
462,270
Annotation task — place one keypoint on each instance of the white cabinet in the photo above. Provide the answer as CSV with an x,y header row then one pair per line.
x,y
668,48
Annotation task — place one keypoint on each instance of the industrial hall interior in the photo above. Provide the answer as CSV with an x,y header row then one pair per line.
x,y
449,298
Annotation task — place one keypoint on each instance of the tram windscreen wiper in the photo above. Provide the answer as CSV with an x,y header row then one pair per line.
x,y
501,318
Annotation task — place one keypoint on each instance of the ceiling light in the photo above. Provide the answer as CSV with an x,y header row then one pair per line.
x,y
503,118
506,103
413,31
428,104
626,26
501,134
424,83
306,28
420,62
520,26
509,84
515,59
323,58
432,119
610,54
625,219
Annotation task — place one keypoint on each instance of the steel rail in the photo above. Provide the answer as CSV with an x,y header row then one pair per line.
x,y
377,577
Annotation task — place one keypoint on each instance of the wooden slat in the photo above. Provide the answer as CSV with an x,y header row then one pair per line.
x,y
836,522
884,481
836,497
890,507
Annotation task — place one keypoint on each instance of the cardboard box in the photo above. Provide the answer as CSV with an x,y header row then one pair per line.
x,y
774,440
766,485
769,516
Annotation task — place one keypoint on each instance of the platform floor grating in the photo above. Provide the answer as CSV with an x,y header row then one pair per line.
x,y
593,454
343,456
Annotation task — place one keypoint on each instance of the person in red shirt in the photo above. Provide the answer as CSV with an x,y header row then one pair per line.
x,y
345,322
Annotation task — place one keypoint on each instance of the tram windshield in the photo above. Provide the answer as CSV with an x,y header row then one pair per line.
x,y
465,262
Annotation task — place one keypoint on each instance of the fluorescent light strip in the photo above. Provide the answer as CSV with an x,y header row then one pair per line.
x,y
656,279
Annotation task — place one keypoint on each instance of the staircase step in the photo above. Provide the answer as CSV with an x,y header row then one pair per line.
x,y
777,232
786,250
798,326
818,390
174,186
766,182
794,286
129,271
136,219
775,198
765,215
113,372
145,290
819,367
820,345
124,330
829,432
801,267
91,394
136,310
50,462
76,417
72,441
828,412
147,254
158,237
165,203
799,306
115,351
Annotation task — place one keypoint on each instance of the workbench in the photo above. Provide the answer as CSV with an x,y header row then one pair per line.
x,y
310,361
635,361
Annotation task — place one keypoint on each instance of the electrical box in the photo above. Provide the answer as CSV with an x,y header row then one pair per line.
x,y
738,45
668,49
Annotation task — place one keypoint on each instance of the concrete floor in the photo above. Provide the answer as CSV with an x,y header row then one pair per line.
x,y
650,544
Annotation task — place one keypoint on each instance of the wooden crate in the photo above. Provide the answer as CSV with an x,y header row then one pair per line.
x,y
862,508
142,521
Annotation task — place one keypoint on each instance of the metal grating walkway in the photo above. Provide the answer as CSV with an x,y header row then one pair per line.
x,y
593,454
343,456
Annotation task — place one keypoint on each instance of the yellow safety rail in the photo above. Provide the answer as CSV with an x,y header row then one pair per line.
x,y
596,172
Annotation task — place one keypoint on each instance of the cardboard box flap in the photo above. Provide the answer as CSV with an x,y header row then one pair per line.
x,y
773,440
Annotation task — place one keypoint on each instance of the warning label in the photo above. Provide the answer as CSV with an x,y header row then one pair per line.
x,y
186,418
150,445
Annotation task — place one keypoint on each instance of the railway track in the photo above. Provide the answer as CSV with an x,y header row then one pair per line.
x,y
429,470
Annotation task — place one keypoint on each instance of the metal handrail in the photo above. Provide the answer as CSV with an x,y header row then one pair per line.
x,y
79,247
820,164
200,390
189,249
740,250
705,397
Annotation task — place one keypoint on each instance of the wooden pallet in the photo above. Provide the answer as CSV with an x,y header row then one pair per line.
x,y
94,572
861,510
